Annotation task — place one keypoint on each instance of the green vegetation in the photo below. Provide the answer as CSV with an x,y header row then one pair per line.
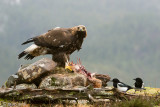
x,y
53,81
123,36
138,102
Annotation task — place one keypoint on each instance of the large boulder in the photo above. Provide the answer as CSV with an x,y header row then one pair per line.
x,y
32,73
103,78
45,74
68,80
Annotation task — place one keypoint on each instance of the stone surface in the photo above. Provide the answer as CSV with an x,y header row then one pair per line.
x,y
45,74
32,73
12,80
103,78
37,69
97,83
25,86
68,80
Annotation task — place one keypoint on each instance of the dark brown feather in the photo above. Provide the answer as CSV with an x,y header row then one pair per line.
x,y
28,41
21,54
54,38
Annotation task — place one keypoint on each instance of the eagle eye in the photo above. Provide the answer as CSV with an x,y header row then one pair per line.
x,y
78,27
83,28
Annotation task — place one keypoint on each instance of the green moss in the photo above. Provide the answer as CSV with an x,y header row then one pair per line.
x,y
27,96
13,94
5,84
3,100
72,93
53,81
138,102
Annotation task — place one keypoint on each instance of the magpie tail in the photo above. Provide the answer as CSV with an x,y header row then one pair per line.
x,y
28,41
131,87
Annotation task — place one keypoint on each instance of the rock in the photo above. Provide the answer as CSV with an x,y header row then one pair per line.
x,y
25,86
45,74
97,83
32,73
103,78
98,80
63,81
37,69
12,80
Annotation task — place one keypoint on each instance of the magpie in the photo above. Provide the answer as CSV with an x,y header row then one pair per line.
x,y
122,87
139,83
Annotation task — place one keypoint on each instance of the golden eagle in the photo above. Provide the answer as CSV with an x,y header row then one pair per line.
x,y
60,42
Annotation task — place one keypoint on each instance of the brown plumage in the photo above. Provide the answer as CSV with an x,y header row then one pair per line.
x,y
60,42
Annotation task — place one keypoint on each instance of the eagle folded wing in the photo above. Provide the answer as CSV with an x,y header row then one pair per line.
x,y
54,38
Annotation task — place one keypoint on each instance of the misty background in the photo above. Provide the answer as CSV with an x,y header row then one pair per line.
x,y
123,35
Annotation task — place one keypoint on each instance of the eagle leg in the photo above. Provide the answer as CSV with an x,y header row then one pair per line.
x,y
60,59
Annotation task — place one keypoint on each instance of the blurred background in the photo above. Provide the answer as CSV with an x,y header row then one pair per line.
x,y
123,35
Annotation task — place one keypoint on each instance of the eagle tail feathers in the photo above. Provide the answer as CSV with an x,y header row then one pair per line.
x,y
27,57
22,54
28,41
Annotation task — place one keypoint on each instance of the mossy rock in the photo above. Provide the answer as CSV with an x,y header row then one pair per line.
x,y
67,80
32,73
25,86
148,91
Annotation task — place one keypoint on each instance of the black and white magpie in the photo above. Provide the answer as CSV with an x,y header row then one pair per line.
x,y
139,83
122,87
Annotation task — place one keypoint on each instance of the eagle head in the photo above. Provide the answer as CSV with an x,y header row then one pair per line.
x,y
82,29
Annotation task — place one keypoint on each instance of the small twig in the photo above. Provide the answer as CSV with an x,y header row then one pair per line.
x,y
90,97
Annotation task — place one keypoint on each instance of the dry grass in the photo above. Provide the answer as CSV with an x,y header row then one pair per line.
x,y
137,102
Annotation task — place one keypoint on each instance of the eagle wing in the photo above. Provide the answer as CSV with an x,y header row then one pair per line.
x,y
55,38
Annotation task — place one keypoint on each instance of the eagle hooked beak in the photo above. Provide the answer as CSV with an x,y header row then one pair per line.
x,y
81,29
